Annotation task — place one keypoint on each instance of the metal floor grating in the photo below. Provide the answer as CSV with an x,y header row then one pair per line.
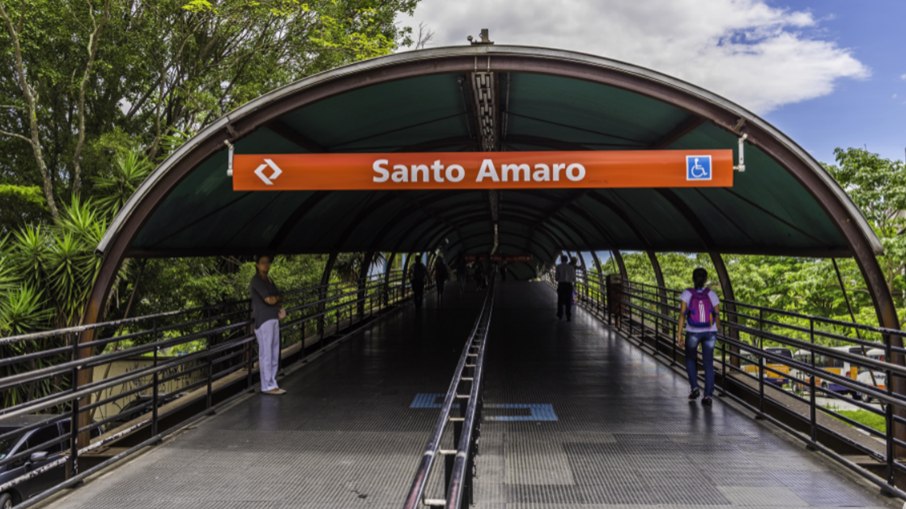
x,y
625,437
346,435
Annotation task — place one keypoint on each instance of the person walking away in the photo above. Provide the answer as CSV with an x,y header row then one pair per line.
x,y
700,315
478,274
441,275
417,275
503,269
267,312
462,273
565,274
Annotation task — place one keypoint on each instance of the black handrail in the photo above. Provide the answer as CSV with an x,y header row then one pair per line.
x,y
652,323
228,350
471,363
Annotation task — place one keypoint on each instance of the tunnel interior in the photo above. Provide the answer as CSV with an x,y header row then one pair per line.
x,y
501,99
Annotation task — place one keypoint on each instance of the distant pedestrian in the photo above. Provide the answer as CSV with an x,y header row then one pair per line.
x,y
478,273
267,312
503,269
699,315
441,275
462,273
565,274
417,276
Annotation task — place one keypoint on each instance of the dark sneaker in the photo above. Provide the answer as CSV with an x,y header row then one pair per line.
x,y
706,401
694,394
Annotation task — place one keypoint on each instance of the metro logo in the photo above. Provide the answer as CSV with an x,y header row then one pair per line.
x,y
478,170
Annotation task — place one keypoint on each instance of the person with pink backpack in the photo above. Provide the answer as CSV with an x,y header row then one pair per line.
x,y
698,322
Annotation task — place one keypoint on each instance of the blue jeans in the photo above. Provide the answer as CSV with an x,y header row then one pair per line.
x,y
707,340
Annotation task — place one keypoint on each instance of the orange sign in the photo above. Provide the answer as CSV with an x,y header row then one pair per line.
x,y
483,170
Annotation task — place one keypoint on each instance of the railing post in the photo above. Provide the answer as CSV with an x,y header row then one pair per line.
x,y
155,392
72,465
760,364
813,411
250,357
209,399
888,417
723,366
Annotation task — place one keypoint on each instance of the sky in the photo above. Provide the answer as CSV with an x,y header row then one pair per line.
x,y
828,73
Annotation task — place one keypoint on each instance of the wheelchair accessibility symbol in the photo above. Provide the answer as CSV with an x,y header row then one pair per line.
x,y
698,167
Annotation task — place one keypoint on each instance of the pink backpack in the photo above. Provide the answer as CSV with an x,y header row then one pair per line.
x,y
701,312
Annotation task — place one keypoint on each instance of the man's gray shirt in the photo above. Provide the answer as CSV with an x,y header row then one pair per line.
x,y
262,311
565,273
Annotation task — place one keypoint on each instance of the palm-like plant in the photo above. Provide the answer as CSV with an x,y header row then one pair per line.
x,y
22,310
115,187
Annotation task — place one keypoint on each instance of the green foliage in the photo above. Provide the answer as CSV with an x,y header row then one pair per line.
x,y
23,309
20,205
117,184
159,72
877,186
55,265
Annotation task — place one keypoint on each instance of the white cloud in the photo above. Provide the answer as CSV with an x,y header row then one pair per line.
x,y
757,55
903,76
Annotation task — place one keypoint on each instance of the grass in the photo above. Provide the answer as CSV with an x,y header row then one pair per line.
x,y
870,419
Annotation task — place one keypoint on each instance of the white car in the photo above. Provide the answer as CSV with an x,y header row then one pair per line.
x,y
876,378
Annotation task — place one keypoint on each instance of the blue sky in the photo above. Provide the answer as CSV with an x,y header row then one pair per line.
x,y
829,73
869,112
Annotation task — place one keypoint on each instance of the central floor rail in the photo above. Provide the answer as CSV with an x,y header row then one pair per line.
x,y
463,410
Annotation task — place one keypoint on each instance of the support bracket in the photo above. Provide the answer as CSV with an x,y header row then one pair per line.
x,y
741,167
229,157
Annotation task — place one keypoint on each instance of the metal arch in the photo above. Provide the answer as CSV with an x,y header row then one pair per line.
x,y
608,237
622,215
462,242
723,113
405,275
621,265
387,270
465,220
652,257
518,219
298,213
367,259
441,233
505,59
322,290
659,278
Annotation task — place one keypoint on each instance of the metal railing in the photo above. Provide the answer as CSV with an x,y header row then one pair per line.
x,y
826,381
458,425
53,379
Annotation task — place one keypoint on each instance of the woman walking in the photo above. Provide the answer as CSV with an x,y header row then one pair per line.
x,y
699,315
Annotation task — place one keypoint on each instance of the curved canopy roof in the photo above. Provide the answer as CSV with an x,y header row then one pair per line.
x,y
784,203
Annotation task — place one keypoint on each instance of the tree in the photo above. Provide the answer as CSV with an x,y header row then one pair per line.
x,y
80,73
878,187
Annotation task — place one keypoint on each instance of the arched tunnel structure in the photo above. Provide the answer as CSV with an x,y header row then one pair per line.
x,y
589,412
493,98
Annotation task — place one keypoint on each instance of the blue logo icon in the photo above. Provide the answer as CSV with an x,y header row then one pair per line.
x,y
698,167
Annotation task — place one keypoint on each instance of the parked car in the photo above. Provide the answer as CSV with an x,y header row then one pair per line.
x,y
52,435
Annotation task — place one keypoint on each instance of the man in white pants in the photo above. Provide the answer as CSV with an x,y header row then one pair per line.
x,y
266,313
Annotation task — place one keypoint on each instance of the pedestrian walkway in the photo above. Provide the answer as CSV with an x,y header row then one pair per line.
x,y
624,434
343,437
574,417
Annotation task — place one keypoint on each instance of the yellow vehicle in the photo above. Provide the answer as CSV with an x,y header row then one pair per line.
x,y
834,365
775,373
